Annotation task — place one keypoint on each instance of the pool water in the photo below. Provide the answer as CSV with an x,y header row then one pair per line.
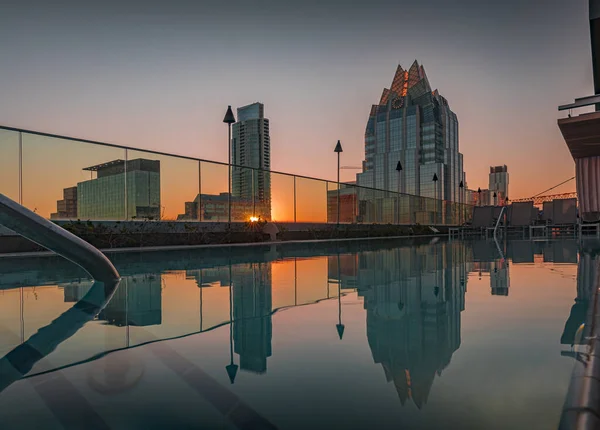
x,y
356,335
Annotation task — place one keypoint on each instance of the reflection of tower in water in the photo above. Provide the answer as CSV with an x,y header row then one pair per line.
x,y
252,307
413,298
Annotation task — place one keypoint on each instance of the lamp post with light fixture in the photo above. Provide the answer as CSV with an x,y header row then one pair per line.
x,y
229,119
435,179
339,150
399,170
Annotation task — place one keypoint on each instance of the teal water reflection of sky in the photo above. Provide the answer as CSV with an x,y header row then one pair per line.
x,y
448,335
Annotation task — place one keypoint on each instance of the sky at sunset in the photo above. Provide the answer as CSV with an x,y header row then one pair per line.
x,y
159,75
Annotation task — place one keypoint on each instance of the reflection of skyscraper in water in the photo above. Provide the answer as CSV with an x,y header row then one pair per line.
x,y
499,279
137,302
252,307
413,298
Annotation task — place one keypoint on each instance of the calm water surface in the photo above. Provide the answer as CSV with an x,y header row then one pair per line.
x,y
357,335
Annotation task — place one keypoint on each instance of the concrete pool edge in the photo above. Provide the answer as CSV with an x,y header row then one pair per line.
x,y
223,245
581,410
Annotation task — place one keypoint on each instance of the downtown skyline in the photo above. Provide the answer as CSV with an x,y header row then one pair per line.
x,y
141,79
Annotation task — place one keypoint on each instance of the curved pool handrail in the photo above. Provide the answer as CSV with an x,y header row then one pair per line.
x,y
18,362
55,238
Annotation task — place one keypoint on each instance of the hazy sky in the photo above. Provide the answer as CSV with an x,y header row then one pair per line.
x,y
159,75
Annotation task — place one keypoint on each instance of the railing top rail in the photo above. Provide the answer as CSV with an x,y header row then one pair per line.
x,y
186,157
581,102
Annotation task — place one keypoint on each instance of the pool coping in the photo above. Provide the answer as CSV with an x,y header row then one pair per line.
x,y
220,245
581,410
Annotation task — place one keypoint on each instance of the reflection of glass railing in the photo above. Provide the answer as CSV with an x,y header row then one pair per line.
x,y
99,181
172,295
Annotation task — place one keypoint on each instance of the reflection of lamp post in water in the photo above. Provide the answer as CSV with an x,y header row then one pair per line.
x,y
339,326
460,208
231,368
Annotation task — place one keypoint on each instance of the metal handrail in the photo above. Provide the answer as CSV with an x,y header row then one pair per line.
x,y
498,221
49,235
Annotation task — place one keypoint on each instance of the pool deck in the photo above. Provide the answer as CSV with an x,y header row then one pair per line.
x,y
581,410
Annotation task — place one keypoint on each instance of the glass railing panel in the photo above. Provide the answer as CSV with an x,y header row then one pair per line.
x,y
9,164
348,203
366,206
311,200
388,212
161,187
405,209
282,197
214,204
249,188
67,179
332,202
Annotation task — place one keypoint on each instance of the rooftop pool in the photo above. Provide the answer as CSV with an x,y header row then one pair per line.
x,y
371,334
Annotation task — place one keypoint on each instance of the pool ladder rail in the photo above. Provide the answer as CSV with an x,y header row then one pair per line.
x,y
55,238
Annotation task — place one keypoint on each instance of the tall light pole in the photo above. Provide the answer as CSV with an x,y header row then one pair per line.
x,y
479,198
399,170
460,208
339,150
435,179
229,119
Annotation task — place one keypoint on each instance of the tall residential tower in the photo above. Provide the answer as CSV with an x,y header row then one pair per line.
x,y
413,125
250,149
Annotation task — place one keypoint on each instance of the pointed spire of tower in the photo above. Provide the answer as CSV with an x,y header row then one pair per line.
x,y
413,74
399,82
384,96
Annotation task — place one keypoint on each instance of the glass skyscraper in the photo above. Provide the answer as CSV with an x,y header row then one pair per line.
x,y
250,149
413,125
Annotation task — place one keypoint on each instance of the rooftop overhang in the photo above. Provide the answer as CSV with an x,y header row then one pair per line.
x,y
582,134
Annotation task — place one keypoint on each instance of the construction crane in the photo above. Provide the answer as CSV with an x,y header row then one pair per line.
x,y
350,168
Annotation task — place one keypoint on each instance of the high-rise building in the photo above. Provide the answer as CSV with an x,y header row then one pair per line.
x,y
67,207
104,196
414,125
499,182
251,153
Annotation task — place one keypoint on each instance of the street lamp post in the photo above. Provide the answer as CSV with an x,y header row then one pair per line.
x,y
460,208
339,150
229,119
399,170
435,179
